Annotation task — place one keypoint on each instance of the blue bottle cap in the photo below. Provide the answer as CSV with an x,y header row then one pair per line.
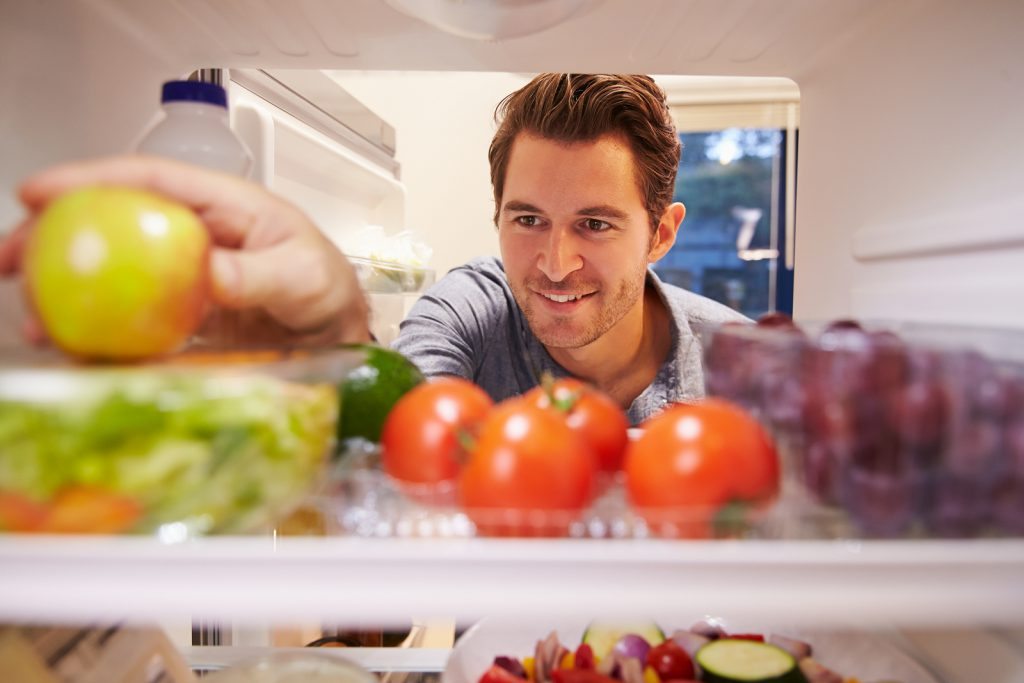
x,y
194,91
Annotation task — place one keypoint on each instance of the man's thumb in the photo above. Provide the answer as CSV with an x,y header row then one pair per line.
x,y
242,279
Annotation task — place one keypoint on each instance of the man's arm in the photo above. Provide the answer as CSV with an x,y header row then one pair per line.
x,y
276,278
448,329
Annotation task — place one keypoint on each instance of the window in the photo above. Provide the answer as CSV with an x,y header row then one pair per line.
x,y
737,180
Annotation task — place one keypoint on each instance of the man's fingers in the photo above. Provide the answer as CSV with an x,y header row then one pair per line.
x,y
235,206
296,282
33,331
246,279
11,247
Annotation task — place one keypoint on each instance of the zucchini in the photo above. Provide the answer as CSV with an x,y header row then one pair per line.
x,y
733,660
601,637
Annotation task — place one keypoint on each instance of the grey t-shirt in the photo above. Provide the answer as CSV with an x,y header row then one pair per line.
x,y
469,325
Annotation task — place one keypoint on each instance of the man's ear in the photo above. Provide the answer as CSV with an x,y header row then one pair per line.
x,y
665,235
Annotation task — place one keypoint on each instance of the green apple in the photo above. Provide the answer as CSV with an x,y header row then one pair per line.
x,y
117,273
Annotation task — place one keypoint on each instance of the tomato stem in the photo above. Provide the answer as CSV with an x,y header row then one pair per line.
x,y
467,441
567,402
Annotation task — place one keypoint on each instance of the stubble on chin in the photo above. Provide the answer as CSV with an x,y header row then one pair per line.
x,y
558,331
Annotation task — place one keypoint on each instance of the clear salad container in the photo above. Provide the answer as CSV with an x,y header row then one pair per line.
x,y
359,499
887,430
202,443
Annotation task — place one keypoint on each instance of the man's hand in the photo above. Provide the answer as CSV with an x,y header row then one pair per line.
x,y
276,278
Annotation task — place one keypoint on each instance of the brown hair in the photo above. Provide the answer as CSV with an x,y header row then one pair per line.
x,y
584,107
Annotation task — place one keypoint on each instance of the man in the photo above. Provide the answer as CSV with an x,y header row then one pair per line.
x,y
583,170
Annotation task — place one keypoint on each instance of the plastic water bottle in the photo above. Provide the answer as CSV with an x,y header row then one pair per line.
x,y
195,129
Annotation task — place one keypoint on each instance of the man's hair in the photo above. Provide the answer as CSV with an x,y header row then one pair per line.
x,y
583,107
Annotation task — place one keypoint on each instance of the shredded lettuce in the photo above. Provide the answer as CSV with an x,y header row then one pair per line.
x,y
220,453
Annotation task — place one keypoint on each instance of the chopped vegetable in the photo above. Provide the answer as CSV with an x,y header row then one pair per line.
x,y
816,673
602,637
670,661
798,648
728,660
497,674
580,676
632,646
510,664
690,641
584,658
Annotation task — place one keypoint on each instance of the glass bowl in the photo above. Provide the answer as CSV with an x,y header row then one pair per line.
x,y
200,443
906,429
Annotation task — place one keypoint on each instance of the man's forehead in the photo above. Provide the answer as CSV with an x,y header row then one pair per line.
x,y
587,173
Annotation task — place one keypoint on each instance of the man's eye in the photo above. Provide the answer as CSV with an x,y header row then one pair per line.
x,y
528,221
595,225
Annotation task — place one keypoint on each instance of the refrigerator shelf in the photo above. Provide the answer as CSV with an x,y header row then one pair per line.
x,y
830,583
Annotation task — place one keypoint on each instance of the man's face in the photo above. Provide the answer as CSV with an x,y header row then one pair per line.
x,y
575,237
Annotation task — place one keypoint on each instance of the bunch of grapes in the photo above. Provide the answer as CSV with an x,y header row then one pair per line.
x,y
903,436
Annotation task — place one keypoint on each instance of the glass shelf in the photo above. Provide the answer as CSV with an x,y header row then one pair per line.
x,y
385,581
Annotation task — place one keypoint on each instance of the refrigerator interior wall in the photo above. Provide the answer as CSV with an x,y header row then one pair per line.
x,y
910,168
339,188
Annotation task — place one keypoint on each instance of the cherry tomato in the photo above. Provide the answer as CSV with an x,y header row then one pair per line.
x,y
591,414
584,657
528,470
20,513
699,457
670,661
580,676
497,674
424,438
91,510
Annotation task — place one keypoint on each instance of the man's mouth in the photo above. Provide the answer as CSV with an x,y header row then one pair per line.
x,y
566,298
562,298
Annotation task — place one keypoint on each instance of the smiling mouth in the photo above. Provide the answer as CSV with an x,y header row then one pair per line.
x,y
564,298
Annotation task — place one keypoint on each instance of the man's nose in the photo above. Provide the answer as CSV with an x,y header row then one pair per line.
x,y
559,256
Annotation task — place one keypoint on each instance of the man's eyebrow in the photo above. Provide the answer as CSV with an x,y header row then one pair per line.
x,y
603,210
516,205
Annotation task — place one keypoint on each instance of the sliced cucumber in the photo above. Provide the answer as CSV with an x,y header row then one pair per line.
x,y
729,660
601,637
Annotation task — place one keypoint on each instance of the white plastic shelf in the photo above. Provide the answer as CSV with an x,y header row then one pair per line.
x,y
842,583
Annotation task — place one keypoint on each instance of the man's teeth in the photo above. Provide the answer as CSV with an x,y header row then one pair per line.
x,y
562,298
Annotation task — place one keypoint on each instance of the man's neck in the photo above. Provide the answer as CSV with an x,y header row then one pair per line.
x,y
626,359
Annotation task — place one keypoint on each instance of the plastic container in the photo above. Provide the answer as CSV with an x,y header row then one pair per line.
x,y
392,289
195,129
905,431
359,499
882,433
200,444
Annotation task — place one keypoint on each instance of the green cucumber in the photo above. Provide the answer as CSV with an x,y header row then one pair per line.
x,y
601,637
733,660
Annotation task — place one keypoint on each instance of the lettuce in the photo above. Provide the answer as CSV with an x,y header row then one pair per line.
x,y
219,453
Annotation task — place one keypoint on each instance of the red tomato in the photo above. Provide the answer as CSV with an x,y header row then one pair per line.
x,y
424,438
20,513
670,661
91,510
584,657
529,470
700,457
591,414
580,676
496,674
